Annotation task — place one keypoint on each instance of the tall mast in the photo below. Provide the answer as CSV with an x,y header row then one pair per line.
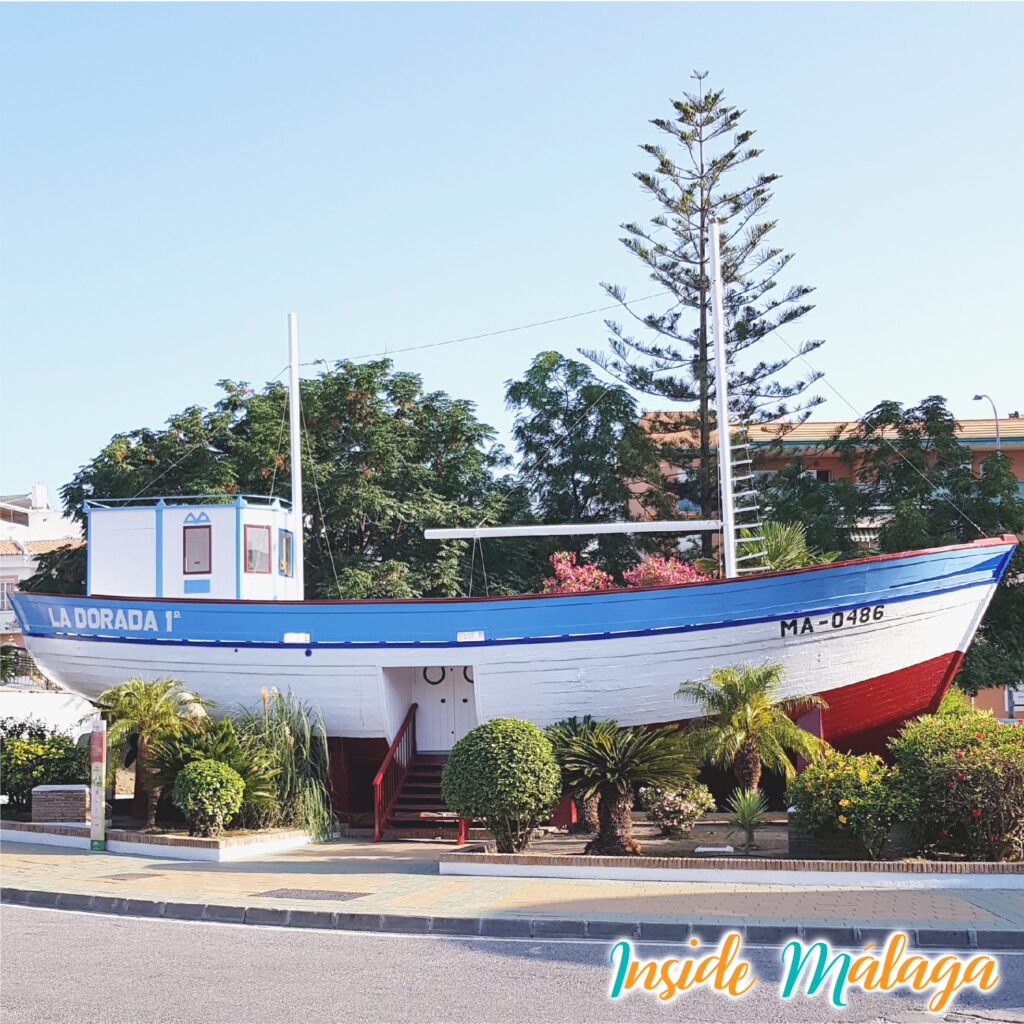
x,y
295,437
722,404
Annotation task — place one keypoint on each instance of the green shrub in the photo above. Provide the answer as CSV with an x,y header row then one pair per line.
x,y
209,793
961,783
209,740
846,794
54,761
955,704
504,772
676,811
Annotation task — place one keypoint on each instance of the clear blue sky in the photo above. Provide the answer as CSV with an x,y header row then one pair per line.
x,y
176,178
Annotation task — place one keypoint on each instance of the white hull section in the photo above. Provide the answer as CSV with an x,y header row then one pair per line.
x,y
365,693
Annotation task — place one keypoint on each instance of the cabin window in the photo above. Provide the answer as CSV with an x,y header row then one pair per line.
x,y
285,552
257,549
196,550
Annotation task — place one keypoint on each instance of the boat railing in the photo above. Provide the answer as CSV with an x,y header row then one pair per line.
x,y
388,781
169,500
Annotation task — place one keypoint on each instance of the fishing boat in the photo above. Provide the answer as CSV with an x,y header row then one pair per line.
x,y
209,590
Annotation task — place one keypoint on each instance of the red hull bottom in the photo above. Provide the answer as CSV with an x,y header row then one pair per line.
x,y
861,717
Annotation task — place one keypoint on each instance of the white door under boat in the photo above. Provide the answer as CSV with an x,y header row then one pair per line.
x,y
447,707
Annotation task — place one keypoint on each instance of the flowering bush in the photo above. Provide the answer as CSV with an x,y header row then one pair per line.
x,y
571,578
846,794
962,785
655,571
676,811
53,761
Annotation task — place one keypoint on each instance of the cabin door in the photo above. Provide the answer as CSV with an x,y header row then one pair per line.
x,y
447,707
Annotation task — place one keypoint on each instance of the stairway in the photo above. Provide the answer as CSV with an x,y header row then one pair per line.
x,y
418,810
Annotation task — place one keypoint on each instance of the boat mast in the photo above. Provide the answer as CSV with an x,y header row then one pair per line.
x,y
722,403
295,437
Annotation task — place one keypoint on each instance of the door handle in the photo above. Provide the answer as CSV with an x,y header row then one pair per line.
x,y
442,700
465,700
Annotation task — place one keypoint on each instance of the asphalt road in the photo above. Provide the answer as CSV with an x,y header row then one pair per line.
x,y
58,966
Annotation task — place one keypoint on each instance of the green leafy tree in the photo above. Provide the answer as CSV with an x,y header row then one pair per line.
x,y
828,512
60,571
147,710
382,459
702,172
916,473
750,725
611,763
583,454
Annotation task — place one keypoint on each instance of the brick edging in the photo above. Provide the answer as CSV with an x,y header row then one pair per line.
x,y
507,927
483,854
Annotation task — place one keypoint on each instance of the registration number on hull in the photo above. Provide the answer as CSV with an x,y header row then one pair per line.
x,y
837,620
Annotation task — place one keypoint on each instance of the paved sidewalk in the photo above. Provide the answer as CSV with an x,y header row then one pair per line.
x,y
396,887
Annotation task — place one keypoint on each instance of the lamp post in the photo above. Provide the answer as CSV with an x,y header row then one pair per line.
x,y
995,417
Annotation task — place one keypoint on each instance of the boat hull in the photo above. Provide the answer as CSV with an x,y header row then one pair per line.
x,y
880,639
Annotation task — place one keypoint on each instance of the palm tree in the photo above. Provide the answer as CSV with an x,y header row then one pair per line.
x,y
147,710
561,735
785,547
751,725
608,762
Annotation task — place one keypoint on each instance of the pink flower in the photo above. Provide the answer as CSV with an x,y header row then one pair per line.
x,y
571,578
976,812
656,571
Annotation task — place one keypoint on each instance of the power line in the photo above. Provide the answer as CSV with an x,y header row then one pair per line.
x,y
495,334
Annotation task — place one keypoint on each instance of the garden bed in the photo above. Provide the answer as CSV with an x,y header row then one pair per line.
x,y
237,845
480,859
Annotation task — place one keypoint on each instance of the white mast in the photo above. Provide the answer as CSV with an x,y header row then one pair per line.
x,y
722,396
295,437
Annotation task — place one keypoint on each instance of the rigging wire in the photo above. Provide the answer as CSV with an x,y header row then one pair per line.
x,y
316,491
280,442
860,417
494,334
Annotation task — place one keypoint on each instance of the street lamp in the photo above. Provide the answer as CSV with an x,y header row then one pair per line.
x,y
995,416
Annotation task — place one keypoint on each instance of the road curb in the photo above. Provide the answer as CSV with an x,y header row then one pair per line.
x,y
506,927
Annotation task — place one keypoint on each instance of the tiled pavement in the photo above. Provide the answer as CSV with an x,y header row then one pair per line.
x,y
401,879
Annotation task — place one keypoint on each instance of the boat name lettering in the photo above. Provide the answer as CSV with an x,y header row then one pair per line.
x,y
135,620
837,620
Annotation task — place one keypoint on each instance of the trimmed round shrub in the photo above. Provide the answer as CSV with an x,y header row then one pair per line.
x,y
850,795
54,761
961,783
209,793
676,811
505,773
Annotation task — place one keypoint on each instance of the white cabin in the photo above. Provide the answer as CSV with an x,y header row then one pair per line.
x,y
206,546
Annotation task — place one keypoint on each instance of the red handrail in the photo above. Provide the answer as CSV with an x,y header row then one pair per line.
x,y
388,780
